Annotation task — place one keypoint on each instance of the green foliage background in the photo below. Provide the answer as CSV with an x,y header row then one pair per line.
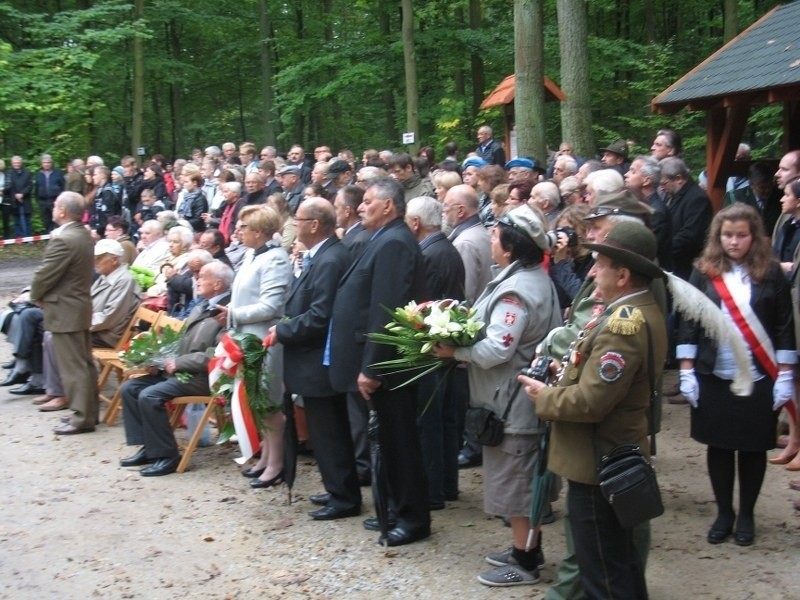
x,y
66,72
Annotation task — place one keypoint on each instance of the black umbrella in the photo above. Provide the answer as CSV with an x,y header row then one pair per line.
x,y
289,443
380,487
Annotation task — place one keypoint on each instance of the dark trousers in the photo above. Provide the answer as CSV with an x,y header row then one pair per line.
x,y
609,565
22,220
402,458
329,430
145,416
46,211
439,436
6,212
357,415
29,337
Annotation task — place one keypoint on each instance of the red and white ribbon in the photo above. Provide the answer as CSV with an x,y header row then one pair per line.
x,y
23,240
229,360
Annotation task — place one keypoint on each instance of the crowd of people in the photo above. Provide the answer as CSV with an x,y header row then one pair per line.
x,y
563,258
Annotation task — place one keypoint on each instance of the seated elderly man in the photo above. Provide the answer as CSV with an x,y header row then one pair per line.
x,y
23,325
114,300
146,419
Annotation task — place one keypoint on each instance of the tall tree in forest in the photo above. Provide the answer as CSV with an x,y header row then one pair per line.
x,y
730,20
576,112
529,71
410,63
476,60
138,79
267,93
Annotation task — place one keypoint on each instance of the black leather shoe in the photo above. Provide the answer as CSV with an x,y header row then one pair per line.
x,y
137,460
745,531
329,513
467,462
260,483
372,524
253,472
435,505
15,378
162,466
320,499
717,536
27,389
365,480
9,365
399,536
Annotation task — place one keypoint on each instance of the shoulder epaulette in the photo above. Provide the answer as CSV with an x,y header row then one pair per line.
x,y
626,320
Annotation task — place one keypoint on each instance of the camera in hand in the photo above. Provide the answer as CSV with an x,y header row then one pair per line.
x,y
539,370
572,235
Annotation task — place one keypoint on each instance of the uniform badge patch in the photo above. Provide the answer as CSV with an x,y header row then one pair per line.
x,y
611,366
507,339
511,318
511,300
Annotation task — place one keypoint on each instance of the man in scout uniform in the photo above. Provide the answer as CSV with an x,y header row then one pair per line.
x,y
602,400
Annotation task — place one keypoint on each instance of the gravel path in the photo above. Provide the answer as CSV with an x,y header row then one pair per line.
x,y
76,525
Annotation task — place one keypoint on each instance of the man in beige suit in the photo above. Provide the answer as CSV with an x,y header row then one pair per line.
x,y
61,287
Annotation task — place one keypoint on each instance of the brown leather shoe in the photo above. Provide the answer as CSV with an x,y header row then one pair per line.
x,y
54,405
42,399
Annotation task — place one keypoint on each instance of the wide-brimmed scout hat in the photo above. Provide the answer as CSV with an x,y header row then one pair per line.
x,y
632,245
618,147
618,203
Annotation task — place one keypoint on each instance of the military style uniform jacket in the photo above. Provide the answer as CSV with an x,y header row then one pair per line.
x,y
604,389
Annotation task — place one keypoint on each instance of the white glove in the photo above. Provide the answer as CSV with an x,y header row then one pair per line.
x,y
689,386
783,390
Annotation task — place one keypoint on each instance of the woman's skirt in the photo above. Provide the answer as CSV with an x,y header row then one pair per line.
x,y
732,422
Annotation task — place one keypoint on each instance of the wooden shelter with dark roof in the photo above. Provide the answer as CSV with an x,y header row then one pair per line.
x,y
759,66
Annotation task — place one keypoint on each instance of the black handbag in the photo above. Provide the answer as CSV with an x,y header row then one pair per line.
x,y
628,482
481,425
627,479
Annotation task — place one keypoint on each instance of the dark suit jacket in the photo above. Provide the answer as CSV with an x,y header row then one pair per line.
x,y
63,281
309,309
199,333
389,274
662,229
19,181
772,204
444,269
356,239
690,210
50,189
772,304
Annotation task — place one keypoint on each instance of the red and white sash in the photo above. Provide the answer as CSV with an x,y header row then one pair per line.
x,y
748,323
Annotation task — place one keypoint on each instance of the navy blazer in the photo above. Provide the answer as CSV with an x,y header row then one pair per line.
x,y
772,304
444,269
309,309
388,274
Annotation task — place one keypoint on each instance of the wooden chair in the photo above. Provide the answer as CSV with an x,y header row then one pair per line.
x,y
105,356
125,373
180,403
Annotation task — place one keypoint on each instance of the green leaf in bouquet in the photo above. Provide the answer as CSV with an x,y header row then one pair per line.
x,y
226,433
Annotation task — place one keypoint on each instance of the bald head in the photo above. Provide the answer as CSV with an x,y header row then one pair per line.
x,y
315,221
788,168
69,206
460,203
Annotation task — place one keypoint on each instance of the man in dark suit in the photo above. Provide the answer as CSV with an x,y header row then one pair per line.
x,y
761,193
389,273
354,238
346,203
437,394
61,286
49,184
690,211
303,335
146,419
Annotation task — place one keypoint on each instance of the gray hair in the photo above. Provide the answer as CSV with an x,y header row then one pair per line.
x,y
185,234
386,188
154,225
73,204
204,256
570,164
232,186
549,192
46,157
219,270
369,174
605,181
672,167
213,151
650,168
94,161
427,209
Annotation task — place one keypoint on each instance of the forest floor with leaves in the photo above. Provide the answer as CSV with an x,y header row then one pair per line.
x,y
77,525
